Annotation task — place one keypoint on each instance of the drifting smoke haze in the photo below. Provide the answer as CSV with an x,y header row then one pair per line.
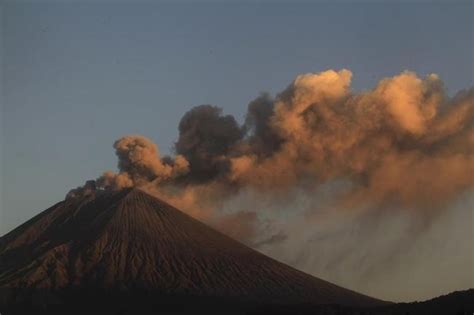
x,y
371,190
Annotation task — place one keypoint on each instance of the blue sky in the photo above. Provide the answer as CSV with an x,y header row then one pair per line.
x,y
78,75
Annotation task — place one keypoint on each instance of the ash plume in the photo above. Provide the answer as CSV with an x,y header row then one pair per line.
x,y
262,139
205,139
140,163
313,171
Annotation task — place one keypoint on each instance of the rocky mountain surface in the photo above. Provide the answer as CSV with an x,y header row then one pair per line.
x,y
135,247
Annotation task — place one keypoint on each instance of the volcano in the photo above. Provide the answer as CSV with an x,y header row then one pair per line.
x,y
132,248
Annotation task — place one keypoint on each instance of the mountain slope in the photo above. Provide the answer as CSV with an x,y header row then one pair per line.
x,y
129,240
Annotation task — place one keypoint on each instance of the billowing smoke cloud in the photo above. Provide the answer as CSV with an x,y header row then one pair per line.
x,y
312,174
140,163
386,133
205,139
262,140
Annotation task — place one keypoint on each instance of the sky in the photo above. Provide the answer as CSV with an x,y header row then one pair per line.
x,y
75,76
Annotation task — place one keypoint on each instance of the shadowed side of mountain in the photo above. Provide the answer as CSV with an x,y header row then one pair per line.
x,y
126,242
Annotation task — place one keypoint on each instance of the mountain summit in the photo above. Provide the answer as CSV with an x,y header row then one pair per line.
x,y
130,241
